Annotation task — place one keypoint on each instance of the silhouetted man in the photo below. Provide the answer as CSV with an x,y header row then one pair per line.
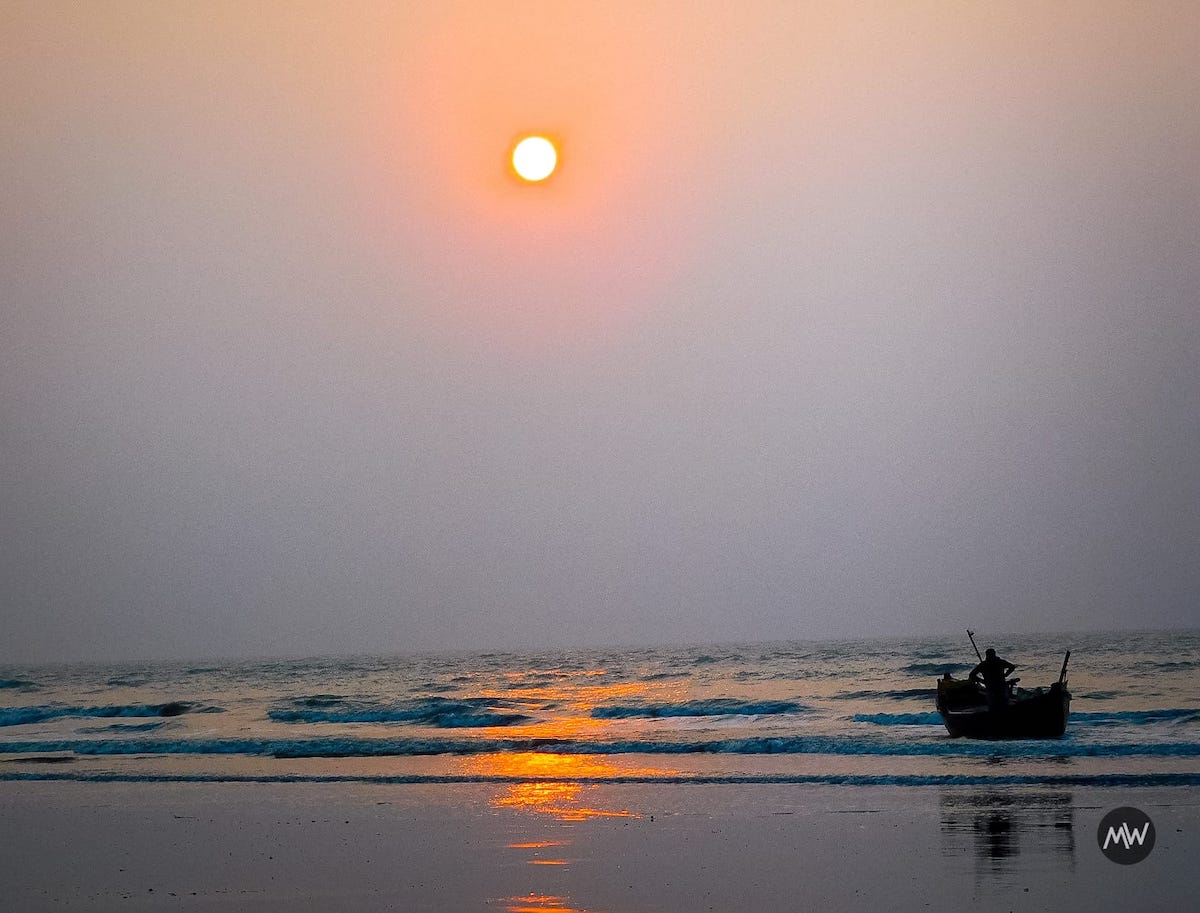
x,y
993,670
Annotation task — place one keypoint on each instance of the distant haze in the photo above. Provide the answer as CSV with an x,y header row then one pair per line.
x,y
837,320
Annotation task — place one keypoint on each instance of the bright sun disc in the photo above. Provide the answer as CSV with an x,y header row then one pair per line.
x,y
534,158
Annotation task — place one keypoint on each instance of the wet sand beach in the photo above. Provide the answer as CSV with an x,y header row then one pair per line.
x,y
564,847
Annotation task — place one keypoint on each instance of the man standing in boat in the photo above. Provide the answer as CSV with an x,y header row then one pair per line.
x,y
993,670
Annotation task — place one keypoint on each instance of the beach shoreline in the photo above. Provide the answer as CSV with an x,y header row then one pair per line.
x,y
591,847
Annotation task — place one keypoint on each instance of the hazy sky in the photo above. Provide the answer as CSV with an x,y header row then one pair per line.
x,y
838,319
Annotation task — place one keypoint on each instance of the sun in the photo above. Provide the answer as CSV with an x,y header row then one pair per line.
x,y
534,158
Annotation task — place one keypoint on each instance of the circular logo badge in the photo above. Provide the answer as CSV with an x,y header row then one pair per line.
x,y
1126,835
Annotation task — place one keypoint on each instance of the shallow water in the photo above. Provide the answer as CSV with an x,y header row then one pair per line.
x,y
851,712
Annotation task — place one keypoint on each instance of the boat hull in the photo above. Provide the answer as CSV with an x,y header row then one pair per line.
x,y
1040,714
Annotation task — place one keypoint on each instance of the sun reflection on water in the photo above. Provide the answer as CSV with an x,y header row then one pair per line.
x,y
539,903
549,789
562,787
549,783
536,844
573,702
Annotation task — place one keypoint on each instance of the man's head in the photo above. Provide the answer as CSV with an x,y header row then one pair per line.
x,y
990,653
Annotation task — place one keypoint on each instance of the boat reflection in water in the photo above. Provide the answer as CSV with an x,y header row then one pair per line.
x,y
996,827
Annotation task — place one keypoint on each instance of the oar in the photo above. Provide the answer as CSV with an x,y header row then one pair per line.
x,y
971,634
1063,674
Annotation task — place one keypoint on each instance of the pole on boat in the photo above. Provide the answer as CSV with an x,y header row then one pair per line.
x,y
1062,675
971,634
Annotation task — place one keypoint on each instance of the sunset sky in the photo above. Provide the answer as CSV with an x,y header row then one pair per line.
x,y
836,319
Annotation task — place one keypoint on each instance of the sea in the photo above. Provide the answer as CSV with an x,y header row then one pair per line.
x,y
842,713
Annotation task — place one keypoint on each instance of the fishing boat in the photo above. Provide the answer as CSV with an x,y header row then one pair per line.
x,y
1037,713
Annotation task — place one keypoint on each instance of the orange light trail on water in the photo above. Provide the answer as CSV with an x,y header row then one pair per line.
x,y
539,903
549,790
537,845
579,699
549,781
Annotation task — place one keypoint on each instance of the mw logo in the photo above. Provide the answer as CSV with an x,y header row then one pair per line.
x,y
1126,835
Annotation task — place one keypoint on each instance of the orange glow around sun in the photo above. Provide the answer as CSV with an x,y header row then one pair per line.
x,y
494,253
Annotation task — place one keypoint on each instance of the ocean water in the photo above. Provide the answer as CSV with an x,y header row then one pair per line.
x,y
545,723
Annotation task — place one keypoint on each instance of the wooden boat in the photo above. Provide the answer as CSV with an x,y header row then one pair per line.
x,y
1039,713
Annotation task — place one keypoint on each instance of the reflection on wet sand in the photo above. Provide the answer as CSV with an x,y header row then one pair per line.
x,y
549,789
538,903
996,827
536,844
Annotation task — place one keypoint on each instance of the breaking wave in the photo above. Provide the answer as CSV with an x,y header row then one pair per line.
x,y
1087,718
128,681
444,713
20,716
124,727
1111,779
1167,665
719,706
901,694
934,668
349,747
899,719
1120,717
